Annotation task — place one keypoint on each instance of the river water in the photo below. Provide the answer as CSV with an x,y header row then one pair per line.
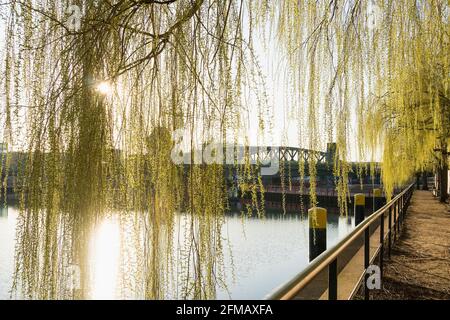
x,y
263,253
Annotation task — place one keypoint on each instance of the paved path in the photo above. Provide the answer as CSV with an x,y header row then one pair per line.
x,y
419,267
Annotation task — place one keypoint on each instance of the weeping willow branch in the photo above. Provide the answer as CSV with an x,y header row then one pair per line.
x,y
106,99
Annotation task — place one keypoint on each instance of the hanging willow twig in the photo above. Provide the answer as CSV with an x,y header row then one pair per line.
x,y
174,64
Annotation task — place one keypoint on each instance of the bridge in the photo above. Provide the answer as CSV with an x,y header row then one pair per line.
x,y
286,154
266,154
289,158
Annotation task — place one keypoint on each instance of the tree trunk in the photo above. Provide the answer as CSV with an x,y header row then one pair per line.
x,y
443,180
424,181
418,181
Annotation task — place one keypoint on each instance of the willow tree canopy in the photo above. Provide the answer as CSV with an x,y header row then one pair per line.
x,y
92,106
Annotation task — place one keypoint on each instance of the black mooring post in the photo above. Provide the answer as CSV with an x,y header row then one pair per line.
x,y
317,232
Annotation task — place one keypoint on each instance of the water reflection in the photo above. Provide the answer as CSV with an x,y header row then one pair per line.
x,y
3,211
8,218
269,252
105,250
259,254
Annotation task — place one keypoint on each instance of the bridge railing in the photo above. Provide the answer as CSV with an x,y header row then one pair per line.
x,y
394,211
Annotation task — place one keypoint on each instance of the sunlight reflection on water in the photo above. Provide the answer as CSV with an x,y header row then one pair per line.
x,y
105,250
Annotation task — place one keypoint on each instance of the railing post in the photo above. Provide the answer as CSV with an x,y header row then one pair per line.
x,y
332,280
403,209
390,231
398,219
395,220
366,261
410,194
405,205
381,243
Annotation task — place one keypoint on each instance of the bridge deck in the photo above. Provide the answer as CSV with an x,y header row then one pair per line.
x,y
419,267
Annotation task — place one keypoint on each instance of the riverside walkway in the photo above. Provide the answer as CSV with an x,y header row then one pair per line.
x,y
419,266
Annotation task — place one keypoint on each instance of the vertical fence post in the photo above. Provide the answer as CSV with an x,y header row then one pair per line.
x,y
317,232
366,261
405,204
332,280
398,217
381,243
402,211
390,231
395,220
410,193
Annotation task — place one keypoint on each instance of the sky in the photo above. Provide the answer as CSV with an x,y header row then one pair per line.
x,y
273,65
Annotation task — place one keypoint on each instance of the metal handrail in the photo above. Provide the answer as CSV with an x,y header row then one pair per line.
x,y
329,257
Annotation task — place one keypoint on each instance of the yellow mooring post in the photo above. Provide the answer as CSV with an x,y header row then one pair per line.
x,y
360,208
317,232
